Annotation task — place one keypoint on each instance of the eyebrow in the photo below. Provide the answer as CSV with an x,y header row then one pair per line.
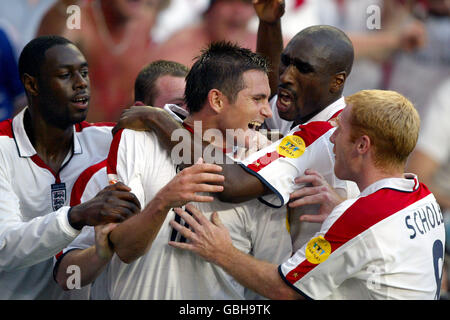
x,y
302,66
260,95
68,66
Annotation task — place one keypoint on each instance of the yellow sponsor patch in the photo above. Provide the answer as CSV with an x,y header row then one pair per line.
x,y
291,147
317,250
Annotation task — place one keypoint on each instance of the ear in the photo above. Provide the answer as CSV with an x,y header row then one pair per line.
x,y
30,84
338,81
363,144
216,100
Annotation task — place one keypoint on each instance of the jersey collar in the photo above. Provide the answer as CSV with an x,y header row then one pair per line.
x,y
408,183
23,143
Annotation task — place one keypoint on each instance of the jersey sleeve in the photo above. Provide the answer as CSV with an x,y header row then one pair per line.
x,y
25,243
126,161
305,147
313,271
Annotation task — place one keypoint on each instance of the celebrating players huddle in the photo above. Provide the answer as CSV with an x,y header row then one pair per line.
x,y
325,212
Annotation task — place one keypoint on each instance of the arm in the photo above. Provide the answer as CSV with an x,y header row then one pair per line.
x,y
91,261
54,20
239,185
211,241
25,243
269,38
134,237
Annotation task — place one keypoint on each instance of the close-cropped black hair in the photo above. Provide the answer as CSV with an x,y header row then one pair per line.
x,y
33,54
220,66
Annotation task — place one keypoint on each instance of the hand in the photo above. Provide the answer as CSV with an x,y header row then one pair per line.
x,y
209,239
114,203
138,118
319,193
183,188
269,11
103,247
253,141
412,36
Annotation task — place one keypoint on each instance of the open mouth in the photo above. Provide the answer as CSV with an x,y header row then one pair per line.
x,y
81,101
285,98
254,125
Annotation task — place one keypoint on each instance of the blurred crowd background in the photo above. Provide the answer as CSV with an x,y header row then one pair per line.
x,y
409,51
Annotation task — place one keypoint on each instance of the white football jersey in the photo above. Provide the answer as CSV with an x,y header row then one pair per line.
x,y
386,244
165,272
34,202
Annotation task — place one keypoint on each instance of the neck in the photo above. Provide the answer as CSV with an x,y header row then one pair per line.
x,y
51,143
331,99
373,174
207,122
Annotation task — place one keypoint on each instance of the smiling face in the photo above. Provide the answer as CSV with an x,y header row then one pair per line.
x,y
251,106
63,86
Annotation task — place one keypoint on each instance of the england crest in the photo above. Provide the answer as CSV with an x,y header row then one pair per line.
x,y
58,195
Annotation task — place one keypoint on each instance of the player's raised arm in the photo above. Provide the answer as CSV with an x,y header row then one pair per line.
x,y
269,39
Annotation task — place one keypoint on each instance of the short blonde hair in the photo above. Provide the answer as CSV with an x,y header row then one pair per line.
x,y
389,120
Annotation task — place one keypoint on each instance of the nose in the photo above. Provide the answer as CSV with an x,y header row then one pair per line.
x,y
333,137
266,110
80,81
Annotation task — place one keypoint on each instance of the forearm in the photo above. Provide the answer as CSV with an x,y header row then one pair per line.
x,y
270,45
164,126
90,264
239,185
259,276
132,238
28,243
377,45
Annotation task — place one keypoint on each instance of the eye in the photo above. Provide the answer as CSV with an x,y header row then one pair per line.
x,y
303,67
84,73
65,75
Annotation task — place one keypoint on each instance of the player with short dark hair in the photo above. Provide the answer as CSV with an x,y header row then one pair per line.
x,y
161,82
43,151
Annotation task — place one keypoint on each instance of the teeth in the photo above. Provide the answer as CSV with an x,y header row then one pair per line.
x,y
254,125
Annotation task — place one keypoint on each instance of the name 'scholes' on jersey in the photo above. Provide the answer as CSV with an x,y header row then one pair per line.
x,y
385,244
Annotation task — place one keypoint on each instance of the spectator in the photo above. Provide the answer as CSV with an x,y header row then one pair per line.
x,y
222,20
112,33
12,95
